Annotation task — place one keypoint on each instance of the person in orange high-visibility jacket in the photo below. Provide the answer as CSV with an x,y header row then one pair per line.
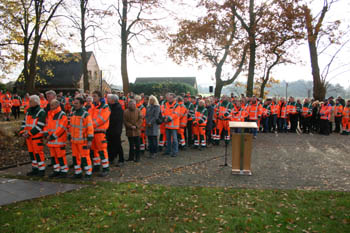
x,y
190,113
346,119
183,122
172,124
292,114
162,136
43,101
199,124
325,115
273,117
223,116
338,113
6,107
25,103
100,120
141,107
306,114
32,131
68,104
254,111
16,104
282,116
55,132
81,134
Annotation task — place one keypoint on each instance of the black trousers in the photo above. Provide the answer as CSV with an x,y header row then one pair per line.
x,y
153,144
134,151
293,122
16,112
324,127
115,148
188,134
337,124
306,124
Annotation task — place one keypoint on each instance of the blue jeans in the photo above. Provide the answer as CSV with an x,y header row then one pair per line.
x,y
172,146
282,124
254,131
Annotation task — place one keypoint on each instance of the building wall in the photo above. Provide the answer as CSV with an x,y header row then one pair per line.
x,y
94,75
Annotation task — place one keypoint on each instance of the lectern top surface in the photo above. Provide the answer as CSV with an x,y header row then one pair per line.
x,y
237,124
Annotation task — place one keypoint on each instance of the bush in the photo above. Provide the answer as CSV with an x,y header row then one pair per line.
x,y
161,88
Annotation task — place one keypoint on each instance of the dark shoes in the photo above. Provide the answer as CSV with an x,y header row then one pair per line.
x,y
103,174
55,175
96,168
33,173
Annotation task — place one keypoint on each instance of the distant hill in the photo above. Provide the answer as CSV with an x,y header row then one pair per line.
x,y
299,88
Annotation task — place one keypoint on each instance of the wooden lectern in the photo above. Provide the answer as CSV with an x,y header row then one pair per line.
x,y
242,147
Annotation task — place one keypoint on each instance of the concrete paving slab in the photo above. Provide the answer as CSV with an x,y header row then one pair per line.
x,y
14,190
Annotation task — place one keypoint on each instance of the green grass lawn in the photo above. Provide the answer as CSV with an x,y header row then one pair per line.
x,y
107,207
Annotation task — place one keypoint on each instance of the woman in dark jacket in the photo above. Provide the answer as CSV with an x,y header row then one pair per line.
x,y
152,128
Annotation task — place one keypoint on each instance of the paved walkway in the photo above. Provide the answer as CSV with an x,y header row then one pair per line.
x,y
279,161
14,190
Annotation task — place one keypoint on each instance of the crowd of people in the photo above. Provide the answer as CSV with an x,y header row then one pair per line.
x,y
93,124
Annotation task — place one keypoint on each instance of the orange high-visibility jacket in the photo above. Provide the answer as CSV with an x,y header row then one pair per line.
x,y
100,117
25,104
292,108
43,103
122,103
338,111
306,111
81,129
224,111
172,115
200,116
143,114
325,112
282,111
6,103
346,113
16,101
34,122
183,115
274,108
254,111
56,128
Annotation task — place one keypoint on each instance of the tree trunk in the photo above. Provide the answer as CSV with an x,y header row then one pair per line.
x,y
218,88
319,87
252,49
83,46
262,89
124,53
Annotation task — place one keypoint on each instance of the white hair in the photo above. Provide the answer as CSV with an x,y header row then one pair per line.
x,y
113,97
138,98
35,98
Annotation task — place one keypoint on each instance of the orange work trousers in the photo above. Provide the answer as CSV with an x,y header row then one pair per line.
x,y
199,135
59,155
99,146
36,152
346,124
222,127
143,140
162,137
81,158
181,136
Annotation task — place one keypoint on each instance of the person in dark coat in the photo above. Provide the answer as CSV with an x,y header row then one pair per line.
x,y
114,130
210,123
152,128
